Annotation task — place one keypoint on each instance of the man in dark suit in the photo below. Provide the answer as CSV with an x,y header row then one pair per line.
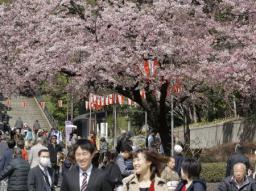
x,y
40,178
54,149
85,177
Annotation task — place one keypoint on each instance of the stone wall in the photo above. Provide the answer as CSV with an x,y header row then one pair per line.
x,y
209,136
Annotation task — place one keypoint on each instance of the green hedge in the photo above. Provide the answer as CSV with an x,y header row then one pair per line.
x,y
213,172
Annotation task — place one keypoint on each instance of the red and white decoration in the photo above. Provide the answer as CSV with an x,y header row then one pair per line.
x,y
60,104
24,104
150,68
42,104
97,102
8,103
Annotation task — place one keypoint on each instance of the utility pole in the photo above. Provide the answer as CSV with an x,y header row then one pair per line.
x,y
172,125
114,116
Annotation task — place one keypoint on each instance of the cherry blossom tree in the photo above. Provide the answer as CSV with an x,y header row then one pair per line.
x,y
102,46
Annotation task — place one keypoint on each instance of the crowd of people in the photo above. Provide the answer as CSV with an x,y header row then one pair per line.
x,y
32,159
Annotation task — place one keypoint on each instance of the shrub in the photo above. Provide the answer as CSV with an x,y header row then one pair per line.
x,y
213,172
221,153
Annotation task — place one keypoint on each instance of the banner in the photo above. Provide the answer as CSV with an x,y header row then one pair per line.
x,y
87,105
97,102
60,104
24,104
129,101
68,130
176,88
150,68
8,103
143,94
42,104
120,99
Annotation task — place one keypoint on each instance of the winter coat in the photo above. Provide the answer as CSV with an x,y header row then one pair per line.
x,y
54,150
169,175
228,184
29,136
131,183
113,175
103,147
36,125
17,172
121,164
66,166
18,124
178,161
33,157
7,157
236,158
197,185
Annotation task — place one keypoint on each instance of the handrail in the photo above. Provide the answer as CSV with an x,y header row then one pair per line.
x,y
48,115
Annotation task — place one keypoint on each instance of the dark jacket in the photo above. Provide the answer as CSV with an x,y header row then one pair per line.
x,y
53,153
178,161
236,158
17,172
121,164
66,166
113,174
36,125
97,181
36,179
18,124
7,157
197,185
228,184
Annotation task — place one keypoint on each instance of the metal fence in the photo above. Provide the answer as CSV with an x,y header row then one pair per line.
x,y
51,119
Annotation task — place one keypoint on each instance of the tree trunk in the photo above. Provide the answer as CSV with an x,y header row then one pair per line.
x,y
157,121
156,110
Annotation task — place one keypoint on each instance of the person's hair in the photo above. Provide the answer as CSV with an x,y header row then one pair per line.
x,y
239,148
54,136
11,143
168,158
21,144
102,139
110,156
39,140
84,144
156,160
126,147
42,151
17,152
240,164
191,167
70,155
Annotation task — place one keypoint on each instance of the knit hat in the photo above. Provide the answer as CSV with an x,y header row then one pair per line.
x,y
178,148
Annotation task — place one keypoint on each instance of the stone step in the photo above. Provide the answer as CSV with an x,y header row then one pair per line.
x,y
29,114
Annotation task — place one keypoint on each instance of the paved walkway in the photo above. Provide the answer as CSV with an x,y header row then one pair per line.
x,y
212,186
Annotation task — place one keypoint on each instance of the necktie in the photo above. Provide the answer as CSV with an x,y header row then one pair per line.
x,y
46,177
84,183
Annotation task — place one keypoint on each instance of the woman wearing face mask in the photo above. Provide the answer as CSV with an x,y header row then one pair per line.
x,y
190,172
147,166
40,178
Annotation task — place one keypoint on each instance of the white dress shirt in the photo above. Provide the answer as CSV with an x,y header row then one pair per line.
x,y
81,176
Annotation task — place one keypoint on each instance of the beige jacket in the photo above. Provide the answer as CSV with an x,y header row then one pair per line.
x,y
169,175
131,183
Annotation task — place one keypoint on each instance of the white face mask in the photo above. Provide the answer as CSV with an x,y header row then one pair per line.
x,y
45,162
